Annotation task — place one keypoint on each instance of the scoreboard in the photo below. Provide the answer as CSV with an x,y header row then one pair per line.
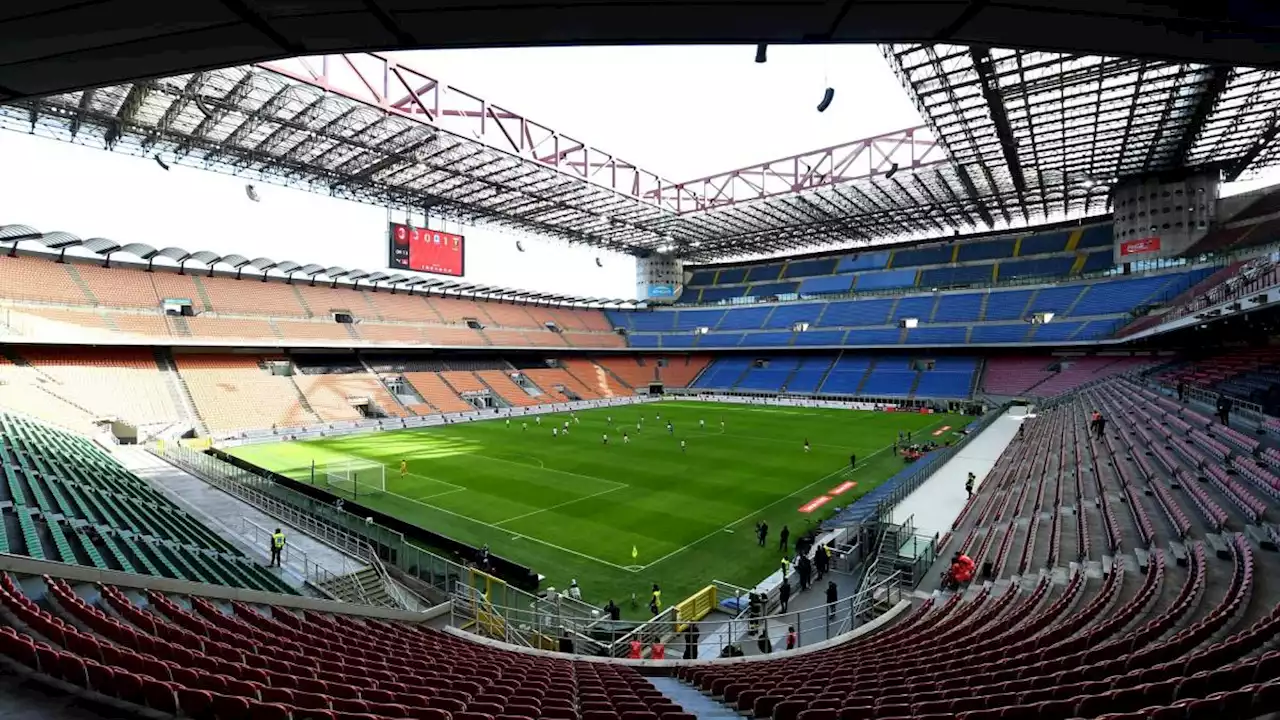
x,y
425,250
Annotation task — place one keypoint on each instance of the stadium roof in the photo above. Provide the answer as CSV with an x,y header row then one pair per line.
x,y
57,46
102,248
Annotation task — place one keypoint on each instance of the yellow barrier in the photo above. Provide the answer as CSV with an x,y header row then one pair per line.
x,y
196,443
696,606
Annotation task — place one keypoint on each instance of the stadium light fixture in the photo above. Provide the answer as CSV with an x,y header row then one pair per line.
x,y
762,53
827,96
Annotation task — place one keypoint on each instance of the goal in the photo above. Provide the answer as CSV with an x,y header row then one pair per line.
x,y
354,477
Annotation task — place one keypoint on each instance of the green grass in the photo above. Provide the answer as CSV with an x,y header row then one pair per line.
x,y
573,507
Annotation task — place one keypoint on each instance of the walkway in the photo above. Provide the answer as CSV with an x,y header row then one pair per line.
x,y
938,502
234,519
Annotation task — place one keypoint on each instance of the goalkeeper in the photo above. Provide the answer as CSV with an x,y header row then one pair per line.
x,y
404,468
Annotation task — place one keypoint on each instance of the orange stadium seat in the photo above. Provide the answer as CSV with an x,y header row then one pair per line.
x,y
398,334
595,340
549,378
147,325
506,338
171,285
501,383
330,395
462,381
456,310
406,308
120,382
326,331
106,286
439,396
22,390
600,380
228,328
250,296
629,369
512,316
459,337
682,369
232,392
39,280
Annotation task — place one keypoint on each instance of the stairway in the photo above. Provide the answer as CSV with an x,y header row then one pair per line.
x,y
827,374
866,376
178,391
692,700
203,293
364,587
79,281
180,325
301,300
302,399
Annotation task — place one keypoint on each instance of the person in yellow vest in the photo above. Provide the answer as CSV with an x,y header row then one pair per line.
x,y
404,468
655,600
277,547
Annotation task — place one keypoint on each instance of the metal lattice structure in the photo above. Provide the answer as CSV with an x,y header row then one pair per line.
x,y
1014,138
1063,129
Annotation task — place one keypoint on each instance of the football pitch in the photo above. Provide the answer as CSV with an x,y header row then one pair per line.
x,y
621,516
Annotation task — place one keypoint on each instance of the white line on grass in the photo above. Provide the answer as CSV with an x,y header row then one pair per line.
x,y
563,504
434,495
615,483
748,516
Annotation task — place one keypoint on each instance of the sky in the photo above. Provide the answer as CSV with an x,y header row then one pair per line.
x,y
681,112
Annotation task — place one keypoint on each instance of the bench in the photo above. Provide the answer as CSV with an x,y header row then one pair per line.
x,y
1179,552
1144,560
1219,545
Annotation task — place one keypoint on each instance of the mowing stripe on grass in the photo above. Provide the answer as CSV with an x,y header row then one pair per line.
x,y
754,513
563,504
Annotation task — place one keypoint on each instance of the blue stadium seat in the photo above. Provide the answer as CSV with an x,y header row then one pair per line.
x,y
1098,261
653,321
826,284
864,261
1096,236
732,276
955,364
722,373
1054,299
986,250
952,276
720,340
644,341
958,308
748,318
807,268
889,383
1041,267
806,380
767,339
768,380
763,273
874,336
1118,296
679,340
944,384
946,335
1008,305
920,307
777,288
1004,333
1044,243
825,338
935,255
1055,331
787,315
851,363
854,313
840,382
717,294
702,277
887,280
1099,329
690,319
618,319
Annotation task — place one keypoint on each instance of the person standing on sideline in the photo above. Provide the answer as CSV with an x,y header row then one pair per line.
x,y
762,531
805,569
832,596
968,484
404,468
784,593
806,444
853,461
783,537
655,600
822,560
786,567
277,547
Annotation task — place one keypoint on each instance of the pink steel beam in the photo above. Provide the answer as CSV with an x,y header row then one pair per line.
x,y
910,149
384,83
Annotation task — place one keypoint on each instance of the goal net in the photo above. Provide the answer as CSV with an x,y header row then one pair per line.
x,y
354,477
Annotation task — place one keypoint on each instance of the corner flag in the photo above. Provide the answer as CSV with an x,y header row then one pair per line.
x,y
634,552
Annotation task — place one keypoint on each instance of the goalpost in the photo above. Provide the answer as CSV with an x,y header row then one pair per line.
x,y
353,477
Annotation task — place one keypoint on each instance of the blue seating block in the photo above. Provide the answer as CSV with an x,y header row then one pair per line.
x,y
820,338
768,380
1117,296
889,383
1041,267
1054,331
913,307
1053,299
854,313
679,340
874,336
720,340
787,315
690,319
717,293
643,341
808,268
732,276
778,288
1096,236
887,280
763,273
986,250
618,318
945,335
826,284
941,384
962,275
702,277
864,261
1043,243
843,383
659,321
1008,305
1100,329
767,339
806,380
958,308
748,318
935,255
1098,261
852,363
1005,333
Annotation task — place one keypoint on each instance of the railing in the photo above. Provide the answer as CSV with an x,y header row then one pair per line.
x,y
292,557
601,636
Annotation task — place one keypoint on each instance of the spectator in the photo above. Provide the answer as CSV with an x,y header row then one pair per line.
x,y
832,595
655,600
968,485
805,569
783,537
762,532
822,560
613,611
691,642
784,593
574,591
658,651
791,638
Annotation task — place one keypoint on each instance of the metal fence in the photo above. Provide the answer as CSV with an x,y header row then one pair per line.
x,y
546,625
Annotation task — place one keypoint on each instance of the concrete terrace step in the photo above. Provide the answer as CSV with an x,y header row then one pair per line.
x,y
693,701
